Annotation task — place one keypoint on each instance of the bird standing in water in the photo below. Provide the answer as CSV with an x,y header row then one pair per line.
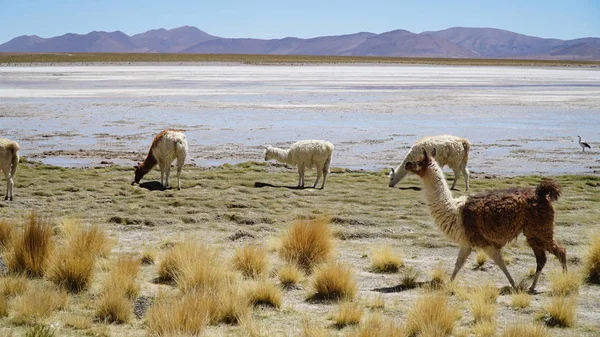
x,y
583,144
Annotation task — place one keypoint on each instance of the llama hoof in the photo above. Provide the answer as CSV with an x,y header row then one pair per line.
x,y
531,291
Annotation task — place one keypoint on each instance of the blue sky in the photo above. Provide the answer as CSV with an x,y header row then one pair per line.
x,y
564,19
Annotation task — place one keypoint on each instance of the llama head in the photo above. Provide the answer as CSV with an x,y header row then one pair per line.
x,y
268,153
419,166
139,174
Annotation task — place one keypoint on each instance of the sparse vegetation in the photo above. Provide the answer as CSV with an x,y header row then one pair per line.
x,y
307,243
122,277
36,304
526,330
172,316
432,314
375,326
560,312
70,270
266,293
409,278
289,275
383,260
251,261
85,241
438,277
113,307
564,283
591,265
13,285
349,313
39,330
31,248
520,300
334,281
6,234
480,259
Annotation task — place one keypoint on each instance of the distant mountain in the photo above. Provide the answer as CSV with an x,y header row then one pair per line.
x,y
457,42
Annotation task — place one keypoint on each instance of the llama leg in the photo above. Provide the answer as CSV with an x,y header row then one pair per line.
x,y
463,254
301,175
167,173
179,168
7,184
495,254
540,259
558,251
319,173
325,172
456,177
465,173
11,184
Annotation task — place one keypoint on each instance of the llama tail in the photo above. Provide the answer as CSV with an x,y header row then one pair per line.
x,y
548,188
14,148
467,147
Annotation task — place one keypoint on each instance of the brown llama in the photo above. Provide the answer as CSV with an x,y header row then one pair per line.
x,y
9,159
489,220
167,146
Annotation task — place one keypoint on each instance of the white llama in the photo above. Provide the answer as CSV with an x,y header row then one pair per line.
x,y
9,158
305,154
167,146
451,150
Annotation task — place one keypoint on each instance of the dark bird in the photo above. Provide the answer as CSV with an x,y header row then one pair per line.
x,y
583,144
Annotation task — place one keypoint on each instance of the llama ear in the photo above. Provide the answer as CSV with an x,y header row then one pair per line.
x,y
425,156
393,171
433,153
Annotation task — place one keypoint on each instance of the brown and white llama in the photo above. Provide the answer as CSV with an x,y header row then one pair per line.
x,y
167,146
9,158
489,220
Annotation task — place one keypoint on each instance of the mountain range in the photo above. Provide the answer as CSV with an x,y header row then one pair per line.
x,y
457,42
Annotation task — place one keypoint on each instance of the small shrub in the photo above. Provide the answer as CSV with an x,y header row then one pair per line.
x,y
526,330
122,277
39,330
483,311
564,283
307,243
383,260
6,234
251,261
85,241
409,278
560,312
170,266
376,302
71,271
376,327
438,277
31,248
485,328
310,330
13,285
148,256
334,281
77,322
431,314
230,305
207,276
289,275
520,300
265,293
480,259
113,307
349,313
591,265
36,304
187,316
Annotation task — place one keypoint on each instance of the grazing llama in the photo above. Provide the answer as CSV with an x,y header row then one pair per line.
x,y
305,154
9,158
167,146
489,220
451,150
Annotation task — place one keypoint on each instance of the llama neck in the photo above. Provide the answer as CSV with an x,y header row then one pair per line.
x,y
149,162
446,210
280,155
400,172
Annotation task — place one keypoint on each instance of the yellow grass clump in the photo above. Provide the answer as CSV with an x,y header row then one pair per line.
x,y
560,312
3,306
431,315
375,326
184,255
36,304
383,260
310,330
31,248
483,306
6,234
349,313
480,259
187,315
122,277
485,328
289,275
520,300
376,302
526,330
334,281
438,277
113,307
409,278
70,270
564,283
265,293
251,261
85,241
591,264
77,322
13,285
148,256
307,243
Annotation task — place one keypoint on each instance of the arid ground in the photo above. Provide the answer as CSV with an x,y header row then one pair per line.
x,y
81,128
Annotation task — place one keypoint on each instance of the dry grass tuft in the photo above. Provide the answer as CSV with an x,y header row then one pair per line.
x,y
13,285
438,277
251,261
526,330
560,312
334,281
409,278
591,265
85,241
36,304
520,300
309,330
485,328
148,256
3,307
377,302
77,322
6,234
383,260
307,243
184,316
564,283
431,315
71,271
265,293
122,277
289,275
229,304
113,307
480,259
376,327
483,306
349,313
184,255
31,248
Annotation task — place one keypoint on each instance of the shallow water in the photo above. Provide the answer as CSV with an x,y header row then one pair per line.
x,y
520,120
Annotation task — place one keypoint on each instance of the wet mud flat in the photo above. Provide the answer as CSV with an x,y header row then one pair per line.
x,y
520,120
